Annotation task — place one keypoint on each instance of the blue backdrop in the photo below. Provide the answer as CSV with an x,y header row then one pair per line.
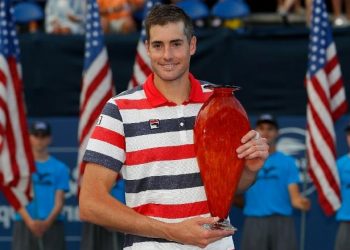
x,y
320,230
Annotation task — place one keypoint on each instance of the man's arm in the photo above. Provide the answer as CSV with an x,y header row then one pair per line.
x,y
298,201
59,201
99,207
254,150
33,225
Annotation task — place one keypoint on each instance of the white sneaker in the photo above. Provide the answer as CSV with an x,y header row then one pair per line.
x,y
341,21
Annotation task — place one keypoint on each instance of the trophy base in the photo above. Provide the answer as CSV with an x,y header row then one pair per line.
x,y
220,225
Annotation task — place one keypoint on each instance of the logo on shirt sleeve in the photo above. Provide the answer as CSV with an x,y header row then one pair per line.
x,y
99,120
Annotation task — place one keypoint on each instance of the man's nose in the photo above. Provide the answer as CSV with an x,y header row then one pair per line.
x,y
167,53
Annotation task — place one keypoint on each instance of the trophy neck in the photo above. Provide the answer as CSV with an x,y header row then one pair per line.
x,y
222,90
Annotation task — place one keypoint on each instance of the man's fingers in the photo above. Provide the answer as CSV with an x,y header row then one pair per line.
x,y
249,136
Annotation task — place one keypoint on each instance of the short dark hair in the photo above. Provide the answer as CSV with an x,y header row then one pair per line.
x,y
162,14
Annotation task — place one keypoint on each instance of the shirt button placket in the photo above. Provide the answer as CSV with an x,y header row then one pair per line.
x,y
180,113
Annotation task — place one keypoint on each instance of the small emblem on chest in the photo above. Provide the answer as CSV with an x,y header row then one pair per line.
x,y
154,123
99,120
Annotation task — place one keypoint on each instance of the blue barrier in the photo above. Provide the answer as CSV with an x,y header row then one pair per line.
x,y
292,139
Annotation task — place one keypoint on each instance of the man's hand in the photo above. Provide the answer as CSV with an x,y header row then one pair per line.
x,y
35,227
192,232
302,203
254,150
44,226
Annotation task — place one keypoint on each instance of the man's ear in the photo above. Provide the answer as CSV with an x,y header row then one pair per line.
x,y
147,46
193,45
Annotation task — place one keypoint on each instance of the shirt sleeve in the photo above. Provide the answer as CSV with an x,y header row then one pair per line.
x,y
106,145
293,177
63,178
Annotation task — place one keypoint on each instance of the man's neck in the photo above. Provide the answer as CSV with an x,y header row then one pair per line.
x,y
177,91
272,149
41,156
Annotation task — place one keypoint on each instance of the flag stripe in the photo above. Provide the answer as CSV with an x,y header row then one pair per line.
x,y
323,167
326,103
94,84
97,84
326,205
16,159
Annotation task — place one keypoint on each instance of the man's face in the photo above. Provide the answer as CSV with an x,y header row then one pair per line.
x,y
268,131
170,51
348,138
39,142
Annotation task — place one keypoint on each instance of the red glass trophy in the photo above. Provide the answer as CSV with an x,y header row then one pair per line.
x,y
220,125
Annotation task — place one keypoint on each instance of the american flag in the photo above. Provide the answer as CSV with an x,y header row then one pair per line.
x,y
16,159
97,87
326,103
142,65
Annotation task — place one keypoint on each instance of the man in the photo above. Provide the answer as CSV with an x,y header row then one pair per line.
x,y
269,202
40,224
65,16
342,241
117,15
146,135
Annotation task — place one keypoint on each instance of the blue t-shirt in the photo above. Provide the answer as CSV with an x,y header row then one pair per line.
x,y
50,176
343,165
269,195
118,191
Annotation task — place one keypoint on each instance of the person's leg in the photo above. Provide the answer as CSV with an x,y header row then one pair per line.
x,y
298,8
97,237
347,9
288,4
342,241
283,233
22,238
255,234
308,7
336,4
279,4
53,238
87,236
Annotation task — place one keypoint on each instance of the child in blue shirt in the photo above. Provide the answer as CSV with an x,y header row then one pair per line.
x,y
39,225
269,202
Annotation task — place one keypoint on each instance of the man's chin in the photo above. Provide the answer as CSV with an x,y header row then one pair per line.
x,y
168,77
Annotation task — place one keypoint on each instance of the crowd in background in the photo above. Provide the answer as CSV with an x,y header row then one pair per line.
x,y
125,16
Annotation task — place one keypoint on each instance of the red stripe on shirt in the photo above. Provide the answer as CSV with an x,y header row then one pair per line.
x,y
173,211
160,154
109,136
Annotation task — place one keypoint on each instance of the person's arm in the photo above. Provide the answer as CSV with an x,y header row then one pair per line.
x,y
59,202
99,207
298,201
255,151
33,225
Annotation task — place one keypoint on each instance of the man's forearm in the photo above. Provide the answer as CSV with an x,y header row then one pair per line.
x,y
110,213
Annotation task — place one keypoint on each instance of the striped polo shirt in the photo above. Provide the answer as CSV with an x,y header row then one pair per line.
x,y
149,140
